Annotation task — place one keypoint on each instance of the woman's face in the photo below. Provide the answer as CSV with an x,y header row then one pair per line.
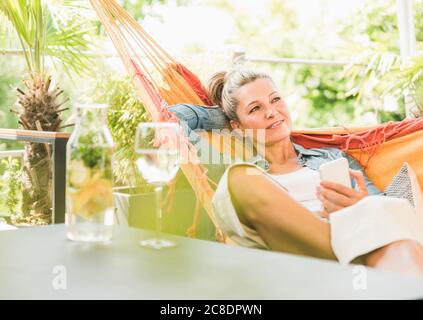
x,y
260,106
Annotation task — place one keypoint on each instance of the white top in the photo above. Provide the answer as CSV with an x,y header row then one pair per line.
x,y
301,185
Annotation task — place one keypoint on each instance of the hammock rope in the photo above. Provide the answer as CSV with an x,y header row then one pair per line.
x,y
159,81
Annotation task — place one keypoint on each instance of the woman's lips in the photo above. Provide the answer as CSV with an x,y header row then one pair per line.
x,y
275,125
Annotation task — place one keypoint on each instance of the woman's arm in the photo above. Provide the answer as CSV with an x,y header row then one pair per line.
x,y
283,223
200,117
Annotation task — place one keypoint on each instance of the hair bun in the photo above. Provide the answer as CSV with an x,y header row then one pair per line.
x,y
215,87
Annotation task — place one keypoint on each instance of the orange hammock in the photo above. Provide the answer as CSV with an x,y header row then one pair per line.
x,y
161,81
381,150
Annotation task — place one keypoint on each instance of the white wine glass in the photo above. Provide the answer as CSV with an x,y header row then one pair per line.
x,y
157,148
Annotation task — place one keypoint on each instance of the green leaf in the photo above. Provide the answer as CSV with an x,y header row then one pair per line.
x,y
45,28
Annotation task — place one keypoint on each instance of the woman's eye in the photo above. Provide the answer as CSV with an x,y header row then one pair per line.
x,y
275,99
254,109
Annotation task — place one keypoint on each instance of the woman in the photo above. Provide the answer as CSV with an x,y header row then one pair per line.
x,y
285,208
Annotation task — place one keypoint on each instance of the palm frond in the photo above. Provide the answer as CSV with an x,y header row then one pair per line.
x,y
16,14
378,64
417,92
48,28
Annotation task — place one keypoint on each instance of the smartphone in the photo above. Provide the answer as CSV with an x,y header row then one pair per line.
x,y
336,171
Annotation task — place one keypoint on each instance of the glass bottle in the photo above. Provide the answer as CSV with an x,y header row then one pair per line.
x,y
89,183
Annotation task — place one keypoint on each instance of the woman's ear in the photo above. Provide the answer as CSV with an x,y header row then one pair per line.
x,y
237,128
235,124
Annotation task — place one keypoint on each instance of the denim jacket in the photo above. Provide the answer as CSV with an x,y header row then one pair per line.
x,y
207,118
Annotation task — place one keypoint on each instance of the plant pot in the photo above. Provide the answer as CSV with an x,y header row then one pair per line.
x,y
138,210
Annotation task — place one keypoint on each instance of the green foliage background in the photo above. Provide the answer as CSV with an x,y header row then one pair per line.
x,y
124,113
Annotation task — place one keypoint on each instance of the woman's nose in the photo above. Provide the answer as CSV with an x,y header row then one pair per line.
x,y
270,112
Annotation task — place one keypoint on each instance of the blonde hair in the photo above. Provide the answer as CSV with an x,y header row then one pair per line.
x,y
222,86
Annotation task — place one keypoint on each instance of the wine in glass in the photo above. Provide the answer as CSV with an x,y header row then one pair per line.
x,y
157,147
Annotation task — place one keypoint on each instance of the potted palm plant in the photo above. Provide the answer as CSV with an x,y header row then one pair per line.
x,y
43,30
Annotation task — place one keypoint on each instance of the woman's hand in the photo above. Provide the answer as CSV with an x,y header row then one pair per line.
x,y
335,196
